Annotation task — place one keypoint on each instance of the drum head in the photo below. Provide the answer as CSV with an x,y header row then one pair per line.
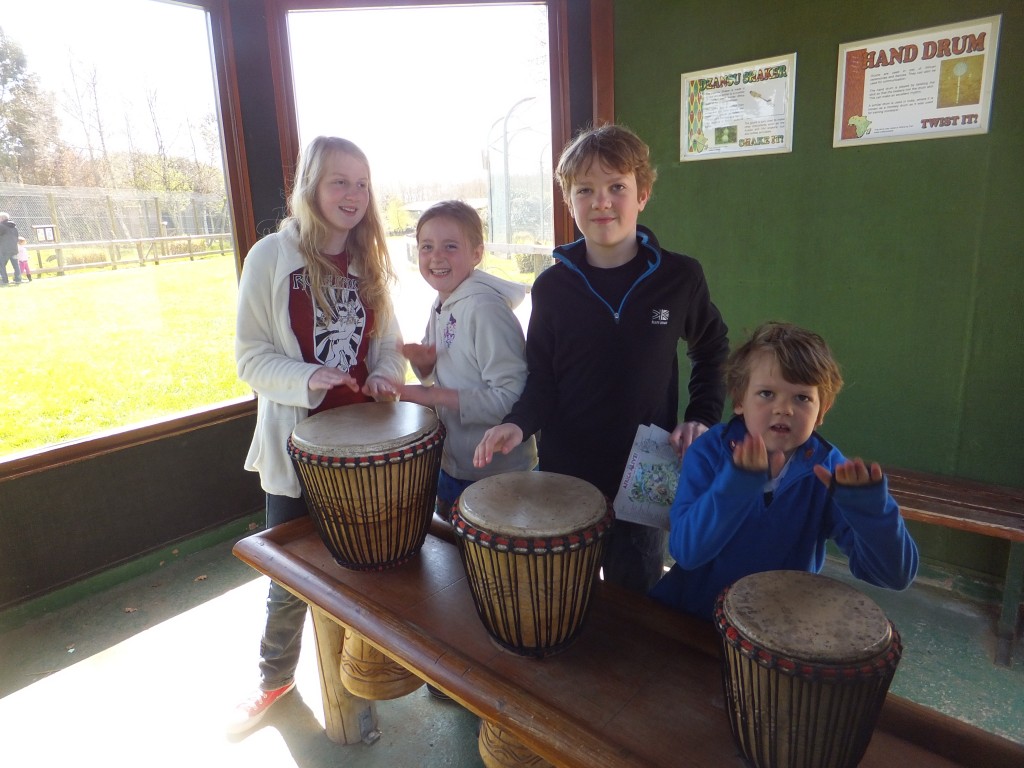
x,y
532,504
364,429
807,617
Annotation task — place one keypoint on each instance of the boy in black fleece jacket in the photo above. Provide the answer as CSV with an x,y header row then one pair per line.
x,y
602,340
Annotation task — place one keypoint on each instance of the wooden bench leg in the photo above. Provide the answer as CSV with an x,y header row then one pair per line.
x,y
348,719
1013,588
500,749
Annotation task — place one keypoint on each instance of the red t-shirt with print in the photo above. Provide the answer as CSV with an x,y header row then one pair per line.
x,y
341,341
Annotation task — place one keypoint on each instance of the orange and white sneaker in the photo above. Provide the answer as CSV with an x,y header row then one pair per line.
x,y
248,714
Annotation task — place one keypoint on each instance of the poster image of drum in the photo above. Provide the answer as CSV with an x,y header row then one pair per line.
x,y
739,110
929,84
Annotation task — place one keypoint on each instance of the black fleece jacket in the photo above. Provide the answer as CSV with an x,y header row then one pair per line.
x,y
596,372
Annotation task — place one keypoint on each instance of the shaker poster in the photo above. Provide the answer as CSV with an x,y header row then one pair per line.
x,y
739,110
929,84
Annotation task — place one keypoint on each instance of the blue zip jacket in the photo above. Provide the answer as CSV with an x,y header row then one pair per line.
x,y
596,372
723,527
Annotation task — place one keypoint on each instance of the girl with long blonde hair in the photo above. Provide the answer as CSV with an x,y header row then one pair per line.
x,y
315,330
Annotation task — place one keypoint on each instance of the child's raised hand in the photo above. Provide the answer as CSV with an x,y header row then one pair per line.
x,y
850,472
751,455
422,356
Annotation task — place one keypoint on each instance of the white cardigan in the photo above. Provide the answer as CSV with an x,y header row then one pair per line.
x,y
269,360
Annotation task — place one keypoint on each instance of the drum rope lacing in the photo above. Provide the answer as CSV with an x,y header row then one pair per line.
x,y
373,460
522,545
372,512
531,593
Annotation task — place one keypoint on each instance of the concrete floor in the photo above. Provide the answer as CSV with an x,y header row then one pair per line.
x,y
144,673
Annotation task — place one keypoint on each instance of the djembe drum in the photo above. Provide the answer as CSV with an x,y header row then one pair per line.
x,y
807,664
531,543
369,475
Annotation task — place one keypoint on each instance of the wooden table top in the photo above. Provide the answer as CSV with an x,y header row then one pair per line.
x,y
641,686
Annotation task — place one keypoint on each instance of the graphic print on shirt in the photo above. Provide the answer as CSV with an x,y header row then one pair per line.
x,y
659,317
448,335
336,340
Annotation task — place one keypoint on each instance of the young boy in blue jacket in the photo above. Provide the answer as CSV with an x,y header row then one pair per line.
x,y
765,491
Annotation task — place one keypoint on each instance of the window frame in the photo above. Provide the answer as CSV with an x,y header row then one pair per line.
x,y
558,44
228,97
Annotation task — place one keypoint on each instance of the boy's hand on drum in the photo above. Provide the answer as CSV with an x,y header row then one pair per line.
x,y
500,439
422,356
380,388
850,472
329,378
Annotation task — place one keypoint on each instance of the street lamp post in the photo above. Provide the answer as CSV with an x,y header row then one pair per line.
x,y
508,181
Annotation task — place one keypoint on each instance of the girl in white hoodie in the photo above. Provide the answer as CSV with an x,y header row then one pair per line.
x,y
472,359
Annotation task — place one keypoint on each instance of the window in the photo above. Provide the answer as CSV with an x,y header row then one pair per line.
x,y
112,169
443,109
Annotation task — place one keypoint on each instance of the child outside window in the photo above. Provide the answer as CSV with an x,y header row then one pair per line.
x,y
23,258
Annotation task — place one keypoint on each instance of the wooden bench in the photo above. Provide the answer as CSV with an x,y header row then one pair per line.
x,y
640,688
965,505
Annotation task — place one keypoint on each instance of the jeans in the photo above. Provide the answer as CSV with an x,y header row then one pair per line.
x,y
286,614
14,263
448,491
634,556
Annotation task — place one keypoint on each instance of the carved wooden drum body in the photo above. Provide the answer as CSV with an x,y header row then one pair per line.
x,y
807,664
532,543
369,476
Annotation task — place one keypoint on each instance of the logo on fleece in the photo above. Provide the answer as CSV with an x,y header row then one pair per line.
x,y
336,339
448,335
659,317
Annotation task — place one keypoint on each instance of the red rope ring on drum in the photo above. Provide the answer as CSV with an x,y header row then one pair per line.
x,y
375,460
569,542
879,666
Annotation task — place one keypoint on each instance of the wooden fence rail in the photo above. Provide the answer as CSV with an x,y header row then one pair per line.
x,y
143,250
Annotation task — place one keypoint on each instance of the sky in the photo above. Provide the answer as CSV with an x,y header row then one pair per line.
x,y
422,91
153,47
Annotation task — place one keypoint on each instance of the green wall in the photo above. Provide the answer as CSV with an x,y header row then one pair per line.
x,y
907,257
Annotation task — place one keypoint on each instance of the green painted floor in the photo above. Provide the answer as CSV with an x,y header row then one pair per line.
x,y
144,673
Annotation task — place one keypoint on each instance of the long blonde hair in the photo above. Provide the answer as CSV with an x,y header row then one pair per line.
x,y
366,244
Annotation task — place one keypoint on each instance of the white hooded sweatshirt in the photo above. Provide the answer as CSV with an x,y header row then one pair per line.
x,y
481,351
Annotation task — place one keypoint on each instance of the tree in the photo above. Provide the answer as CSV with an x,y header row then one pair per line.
x,y
30,147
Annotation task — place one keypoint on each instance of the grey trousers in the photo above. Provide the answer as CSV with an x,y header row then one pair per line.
x,y
286,614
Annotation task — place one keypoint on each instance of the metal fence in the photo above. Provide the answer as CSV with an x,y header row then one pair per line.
x,y
86,214
69,228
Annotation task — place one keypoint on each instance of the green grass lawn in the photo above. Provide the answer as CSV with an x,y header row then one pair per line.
x,y
98,350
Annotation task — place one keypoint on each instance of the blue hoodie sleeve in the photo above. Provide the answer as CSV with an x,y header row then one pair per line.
x,y
870,531
713,499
